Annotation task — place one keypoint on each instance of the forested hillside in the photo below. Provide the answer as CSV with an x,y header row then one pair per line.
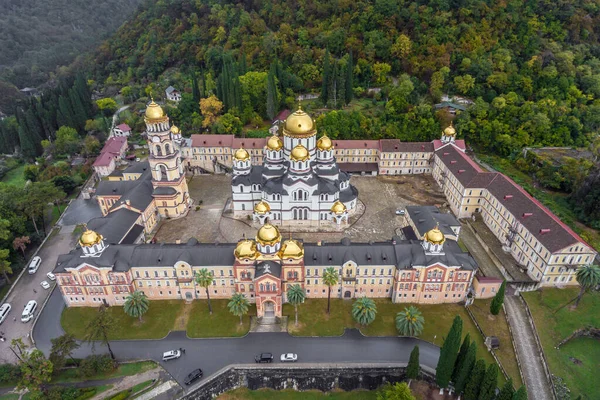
x,y
38,36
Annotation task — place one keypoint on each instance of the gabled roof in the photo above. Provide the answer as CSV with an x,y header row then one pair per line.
x,y
282,116
426,218
114,226
124,127
212,140
249,143
104,159
356,144
170,90
397,146
460,164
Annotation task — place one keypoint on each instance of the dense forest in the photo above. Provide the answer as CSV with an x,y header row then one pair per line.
x,y
36,37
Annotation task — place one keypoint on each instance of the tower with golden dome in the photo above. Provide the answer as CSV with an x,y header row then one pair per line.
x,y
449,134
299,180
170,193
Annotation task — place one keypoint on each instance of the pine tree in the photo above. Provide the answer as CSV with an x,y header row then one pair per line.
x,y
34,127
466,368
472,389
489,383
27,144
448,353
461,356
520,394
507,392
349,79
498,300
413,368
326,78
271,95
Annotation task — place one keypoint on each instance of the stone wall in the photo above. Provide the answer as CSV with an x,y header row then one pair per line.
x,y
324,377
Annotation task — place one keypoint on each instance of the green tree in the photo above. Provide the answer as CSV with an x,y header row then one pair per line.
x,y
36,370
100,328
466,368
204,279
27,143
588,277
195,88
238,305
496,304
39,195
67,141
397,391
107,105
348,92
229,124
507,392
271,95
462,353
65,182
136,304
520,394
326,78
401,48
410,321
472,388
364,311
413,368
210,108
91,145
5,268
63,347
489,383
330,278
464,84
31,172
381,71
448,353
295,296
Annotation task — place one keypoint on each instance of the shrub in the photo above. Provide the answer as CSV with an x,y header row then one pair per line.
x,y
121,395
9,373
96,364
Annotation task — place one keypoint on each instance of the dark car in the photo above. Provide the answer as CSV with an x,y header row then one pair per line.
x,y
193,376
264,358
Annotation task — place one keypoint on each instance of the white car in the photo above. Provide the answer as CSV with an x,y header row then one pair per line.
x,y
400,212
289,357
45,285
51,276
4,310
171,355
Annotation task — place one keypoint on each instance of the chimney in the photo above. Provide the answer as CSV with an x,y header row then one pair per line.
x,y
204,142
542,231
396,147
177,241
422,147
508,196
446,154
453,162
525,215
128,202
219,142
460,171
365,144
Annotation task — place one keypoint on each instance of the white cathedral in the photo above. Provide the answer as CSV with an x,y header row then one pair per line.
x,y
299,181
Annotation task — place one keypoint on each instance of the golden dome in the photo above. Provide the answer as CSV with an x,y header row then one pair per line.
x,y
299,124
450,131
245,249
274,143
89,238
338,208
175,130
324,143
241,154
268,235
299,153
154,111
435,236
262,207
291,249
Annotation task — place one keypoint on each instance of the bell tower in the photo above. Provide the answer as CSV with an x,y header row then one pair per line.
x,y
171,193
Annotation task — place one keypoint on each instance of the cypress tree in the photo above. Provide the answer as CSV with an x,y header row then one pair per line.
x,y
333,80
489,383
326,77
461,356
507,391
466,368
413,368
349,78
203,85
472,389
341,87
66,112
4,143
498,300
271,95
520,394
195,89
27,144
79,114
448,353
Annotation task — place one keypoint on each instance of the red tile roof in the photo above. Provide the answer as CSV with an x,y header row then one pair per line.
x,y
212,140
124,127
282,116
397,146
104,159
356,144
460,164
114,145
249,143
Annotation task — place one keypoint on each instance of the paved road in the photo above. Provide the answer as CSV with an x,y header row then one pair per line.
x,y
214,354
81,211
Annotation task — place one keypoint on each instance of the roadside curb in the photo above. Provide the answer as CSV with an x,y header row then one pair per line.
x,y
40,313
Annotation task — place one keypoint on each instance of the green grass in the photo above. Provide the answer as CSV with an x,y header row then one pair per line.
x,y
220,324
15,176
141,386
10,396
554,323
288,394
157,322
129,369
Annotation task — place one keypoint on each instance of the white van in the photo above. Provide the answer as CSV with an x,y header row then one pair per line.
x,y
171,355
34,265
29,311
4,310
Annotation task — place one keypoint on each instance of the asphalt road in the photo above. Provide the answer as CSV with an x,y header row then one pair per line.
x,y
81,211
213,354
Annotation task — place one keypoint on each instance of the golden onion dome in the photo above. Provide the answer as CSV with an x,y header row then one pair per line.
x,y
324,143
338,208
268,235
291,249
299,153
262,207
299,124
89,238
241,154
274,143
154,111
450,131
175,130
245,249
435,236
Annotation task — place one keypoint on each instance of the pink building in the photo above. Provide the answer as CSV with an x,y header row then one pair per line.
x,y
113,150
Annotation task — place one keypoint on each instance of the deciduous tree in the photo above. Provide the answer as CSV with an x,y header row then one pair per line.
x,y
20,243
397,391
100,329
210,108
63,347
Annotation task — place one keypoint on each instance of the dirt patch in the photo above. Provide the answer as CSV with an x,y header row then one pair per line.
x,y
183,317
425,391
575,361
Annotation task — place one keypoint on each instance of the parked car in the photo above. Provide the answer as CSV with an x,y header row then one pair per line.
x,y
171,355
264,358
193,376
51,276
29,311
400,212
4,310
289,357
45,285
34,265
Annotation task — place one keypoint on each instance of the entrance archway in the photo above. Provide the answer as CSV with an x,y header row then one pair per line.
x,y
269,309
188,296
347,294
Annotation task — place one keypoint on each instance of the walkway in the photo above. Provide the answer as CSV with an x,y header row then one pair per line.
x,y
538,387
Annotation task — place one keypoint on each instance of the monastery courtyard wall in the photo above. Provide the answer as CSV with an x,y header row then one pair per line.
x,y
380,196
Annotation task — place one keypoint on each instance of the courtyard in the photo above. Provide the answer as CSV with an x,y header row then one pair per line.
x,y
374,219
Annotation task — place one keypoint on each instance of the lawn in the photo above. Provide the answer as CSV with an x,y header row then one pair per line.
x,y
221,323
15,176
157,322
577,361
128,369
289,394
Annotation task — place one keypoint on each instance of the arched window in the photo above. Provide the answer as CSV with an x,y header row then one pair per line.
x,y
161,172
251,287
158,150
262,287
241,189
242,288
167,148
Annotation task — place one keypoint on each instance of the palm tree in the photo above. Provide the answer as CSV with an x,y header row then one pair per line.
x,y
364,310
136,304
410,322
330,278
99,328
204,279
64,346
588,277
295,296
238,305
